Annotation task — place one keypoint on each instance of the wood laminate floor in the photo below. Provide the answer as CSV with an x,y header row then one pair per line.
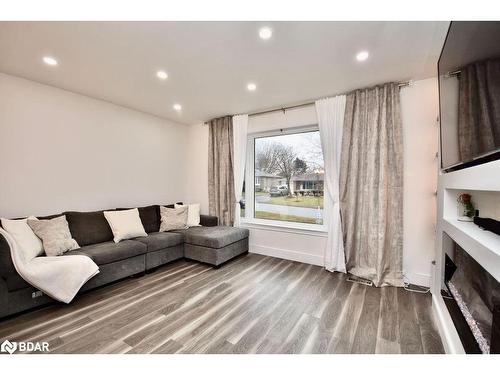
x,y
255,304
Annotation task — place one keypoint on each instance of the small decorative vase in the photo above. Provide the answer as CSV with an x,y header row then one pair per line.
x,y
465,208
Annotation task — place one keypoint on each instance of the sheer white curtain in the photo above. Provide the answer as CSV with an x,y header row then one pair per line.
x,y
330,113
240,125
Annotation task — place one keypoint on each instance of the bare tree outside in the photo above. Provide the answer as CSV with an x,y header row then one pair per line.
x,y
281,160
313,151
277,158
265,157
294,160
284,163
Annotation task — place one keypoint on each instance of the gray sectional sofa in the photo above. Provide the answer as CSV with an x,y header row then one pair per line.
x,y
208,243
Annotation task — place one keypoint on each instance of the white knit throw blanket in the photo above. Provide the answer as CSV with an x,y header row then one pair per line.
x,y
59,277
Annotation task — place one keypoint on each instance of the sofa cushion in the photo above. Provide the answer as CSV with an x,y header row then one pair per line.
x,y
109,252
48,217
42,217
150,217
209,221
214,237
161,240
89,228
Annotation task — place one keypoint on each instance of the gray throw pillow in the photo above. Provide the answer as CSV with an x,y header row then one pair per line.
x,y
173,218
55,235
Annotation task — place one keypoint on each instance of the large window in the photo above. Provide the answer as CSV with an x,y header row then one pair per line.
x,y
288,174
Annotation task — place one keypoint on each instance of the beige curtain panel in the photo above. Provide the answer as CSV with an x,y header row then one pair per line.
x,y
371,185
221,196
478,109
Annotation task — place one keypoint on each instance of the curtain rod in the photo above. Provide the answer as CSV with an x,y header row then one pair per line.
x,y
307,104
453,74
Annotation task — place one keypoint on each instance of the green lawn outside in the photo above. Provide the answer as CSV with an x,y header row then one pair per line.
x,y
274,216
311,202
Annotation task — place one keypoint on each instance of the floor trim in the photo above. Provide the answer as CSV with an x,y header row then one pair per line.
x,y
288,254
418,278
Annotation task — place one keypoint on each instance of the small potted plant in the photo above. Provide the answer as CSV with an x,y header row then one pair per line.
x,y
465,207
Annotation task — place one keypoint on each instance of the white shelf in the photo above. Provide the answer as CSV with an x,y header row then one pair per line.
x,y
482,177
482,245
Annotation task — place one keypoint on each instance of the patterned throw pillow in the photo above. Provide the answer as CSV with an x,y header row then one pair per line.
x,y
55,235
173,218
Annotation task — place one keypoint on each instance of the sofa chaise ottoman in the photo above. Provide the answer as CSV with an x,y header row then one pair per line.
x,y
208,243
214,245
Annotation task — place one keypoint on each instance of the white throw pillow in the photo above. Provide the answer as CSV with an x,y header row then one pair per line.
x,y
193,214
27,241
125,224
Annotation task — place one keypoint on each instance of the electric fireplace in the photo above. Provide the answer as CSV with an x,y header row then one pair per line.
x,y
473,300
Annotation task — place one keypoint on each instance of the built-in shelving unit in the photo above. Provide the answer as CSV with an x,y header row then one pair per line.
x,y
483,246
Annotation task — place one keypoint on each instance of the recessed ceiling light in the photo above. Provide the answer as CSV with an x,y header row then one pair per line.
x,y
251,87
161,74
177,107
265,33
50,61
362,56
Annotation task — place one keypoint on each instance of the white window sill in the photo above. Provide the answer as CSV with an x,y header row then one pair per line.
x,y
285,226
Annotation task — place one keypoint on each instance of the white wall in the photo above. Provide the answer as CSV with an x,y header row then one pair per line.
x,y
63,151
197,171
420,130
419,106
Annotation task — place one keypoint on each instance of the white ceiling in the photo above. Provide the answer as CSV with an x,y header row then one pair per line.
x,y
210,63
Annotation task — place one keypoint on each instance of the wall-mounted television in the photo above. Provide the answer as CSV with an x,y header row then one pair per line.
x,y
469,94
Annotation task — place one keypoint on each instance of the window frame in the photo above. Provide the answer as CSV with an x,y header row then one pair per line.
x,y
249,217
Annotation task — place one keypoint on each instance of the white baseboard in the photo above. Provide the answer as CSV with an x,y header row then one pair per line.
x,y
415,278
287,254
420,279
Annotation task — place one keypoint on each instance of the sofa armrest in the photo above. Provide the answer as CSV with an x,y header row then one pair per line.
x,y
209,221
6,265
4,298
6,268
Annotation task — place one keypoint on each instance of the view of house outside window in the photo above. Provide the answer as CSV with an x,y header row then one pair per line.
x,y
289,174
